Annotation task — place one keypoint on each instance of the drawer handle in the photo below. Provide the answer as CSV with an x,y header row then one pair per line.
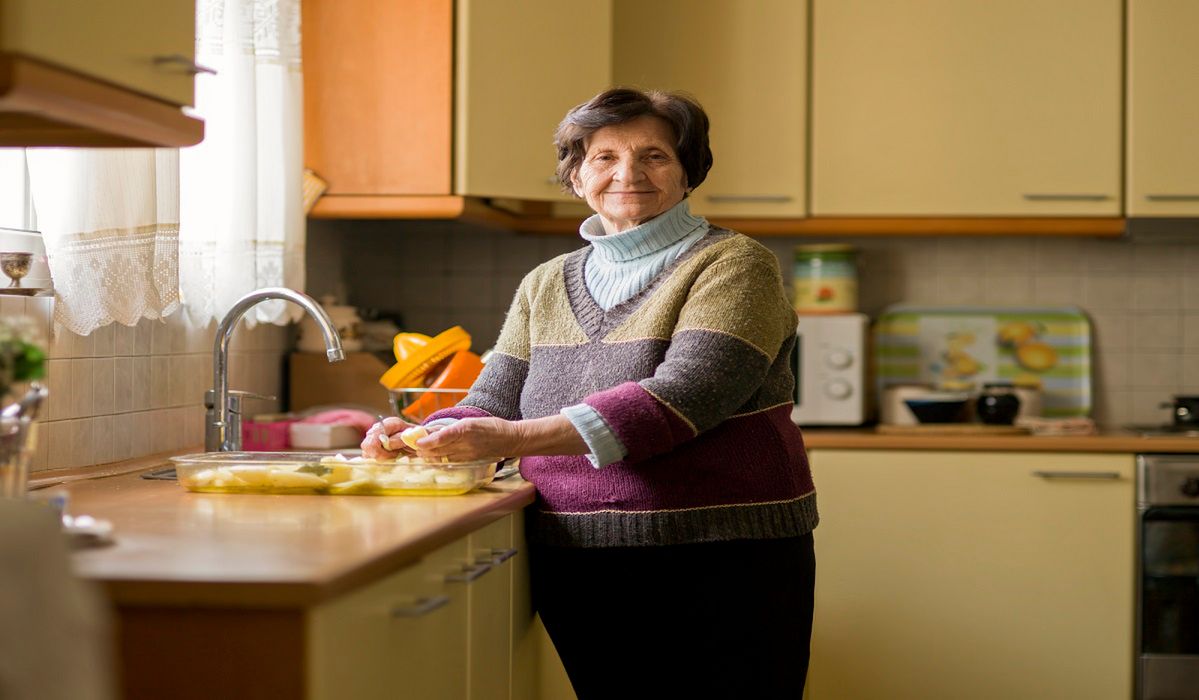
x,y
499,556
422,606
1036,197
1076,475
758,198
469,573
1172,197
180,61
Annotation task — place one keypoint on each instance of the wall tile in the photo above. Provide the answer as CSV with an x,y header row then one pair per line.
x,y
1107,292
58,442
1111,331
1057,256
1146,407
82,441
41,310
103,440
160,338
58,383
104,386
160,367
1190,291
1157,331
177,380
123,384
105,340
61,343
124,340
965,289
1056,289
1190,332
1157,370
1156,293
1109,256
41,456
122,436
1009,256
1158,257
1190,373
83,393
143,433
1001,288
82,345
143,342
142,383
1113,370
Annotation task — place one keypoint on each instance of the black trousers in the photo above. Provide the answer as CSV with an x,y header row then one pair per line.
x,y
711,620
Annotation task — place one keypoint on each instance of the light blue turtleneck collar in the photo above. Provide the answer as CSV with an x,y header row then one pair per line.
x,y
622,264
663,230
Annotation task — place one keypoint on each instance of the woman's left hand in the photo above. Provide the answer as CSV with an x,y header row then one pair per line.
x,y
472,439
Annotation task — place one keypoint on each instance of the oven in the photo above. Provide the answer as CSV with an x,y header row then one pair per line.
x,y
1167,638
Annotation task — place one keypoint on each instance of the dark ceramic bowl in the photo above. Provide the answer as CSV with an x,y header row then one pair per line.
x,y
948,409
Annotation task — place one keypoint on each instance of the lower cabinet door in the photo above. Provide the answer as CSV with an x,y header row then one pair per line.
x,y
489,594
973,575
403,637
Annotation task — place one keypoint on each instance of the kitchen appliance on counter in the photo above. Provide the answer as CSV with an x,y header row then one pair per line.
x,y
1167,627
829,361
1184,412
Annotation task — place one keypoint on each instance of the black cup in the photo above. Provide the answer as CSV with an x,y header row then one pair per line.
x,y
997,405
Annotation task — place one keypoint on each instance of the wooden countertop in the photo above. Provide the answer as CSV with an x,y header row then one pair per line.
x,y
1105,441
172,547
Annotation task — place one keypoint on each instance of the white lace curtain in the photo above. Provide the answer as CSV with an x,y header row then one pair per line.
x,y
129,233
241,214
110,223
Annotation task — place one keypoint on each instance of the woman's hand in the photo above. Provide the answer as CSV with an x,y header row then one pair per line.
x,y
472,439
372,445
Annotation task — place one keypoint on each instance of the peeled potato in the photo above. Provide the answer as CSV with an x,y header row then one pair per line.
x,y
254,476
292,480
411,435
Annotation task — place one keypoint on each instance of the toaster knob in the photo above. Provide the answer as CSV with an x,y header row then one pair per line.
x,y
1190,487
838,359
838,389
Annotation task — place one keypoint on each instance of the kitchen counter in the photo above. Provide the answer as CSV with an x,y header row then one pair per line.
x,y
1105,441
172,547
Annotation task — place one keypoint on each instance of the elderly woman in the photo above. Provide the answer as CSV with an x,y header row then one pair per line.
x,y
645,381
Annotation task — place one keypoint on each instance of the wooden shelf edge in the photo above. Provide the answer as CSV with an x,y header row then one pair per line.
x,y
42,105
476,210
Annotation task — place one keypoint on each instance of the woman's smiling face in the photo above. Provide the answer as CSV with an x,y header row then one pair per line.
x,y
631,173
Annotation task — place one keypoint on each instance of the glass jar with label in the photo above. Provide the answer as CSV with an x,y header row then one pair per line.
x,y
825,279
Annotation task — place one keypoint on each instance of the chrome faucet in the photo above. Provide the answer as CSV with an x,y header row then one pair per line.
x,y
223,429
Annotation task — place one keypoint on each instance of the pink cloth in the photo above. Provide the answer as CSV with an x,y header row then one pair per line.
x,y
344,416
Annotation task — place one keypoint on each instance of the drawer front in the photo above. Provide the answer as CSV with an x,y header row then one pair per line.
x,y
403,637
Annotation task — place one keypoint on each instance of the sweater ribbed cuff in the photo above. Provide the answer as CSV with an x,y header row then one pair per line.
x,y
603,443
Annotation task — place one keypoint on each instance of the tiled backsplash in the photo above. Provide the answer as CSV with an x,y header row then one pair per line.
x,y
1143,296
129,391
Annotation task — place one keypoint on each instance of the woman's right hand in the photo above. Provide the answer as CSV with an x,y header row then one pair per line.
x,y
372,445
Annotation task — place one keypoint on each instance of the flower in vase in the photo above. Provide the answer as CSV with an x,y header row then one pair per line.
x,y
21,356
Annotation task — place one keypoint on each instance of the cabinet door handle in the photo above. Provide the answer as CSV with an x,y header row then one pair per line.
x,y
422,606
749,198
183,62
469,573
499,556
1076,475
1038,197
1172,197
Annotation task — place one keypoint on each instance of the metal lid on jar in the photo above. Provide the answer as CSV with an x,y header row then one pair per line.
x,y
824,249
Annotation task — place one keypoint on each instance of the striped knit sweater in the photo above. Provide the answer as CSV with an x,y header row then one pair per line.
x,y
692,374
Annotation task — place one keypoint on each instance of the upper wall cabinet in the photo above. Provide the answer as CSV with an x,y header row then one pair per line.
x,y
87,73
746,63
950,108
521,64
1163,108
432,97
377,95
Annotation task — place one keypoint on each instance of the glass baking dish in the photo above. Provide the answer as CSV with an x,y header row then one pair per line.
x,y
325,473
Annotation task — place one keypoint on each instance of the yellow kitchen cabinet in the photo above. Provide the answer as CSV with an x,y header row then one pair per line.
x,y
746,63
83,73
439,629
973,575
410,105
489,601
520,65
948,108
402,637
1163,108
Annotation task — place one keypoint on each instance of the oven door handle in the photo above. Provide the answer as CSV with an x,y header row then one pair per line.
x,y
1075,475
